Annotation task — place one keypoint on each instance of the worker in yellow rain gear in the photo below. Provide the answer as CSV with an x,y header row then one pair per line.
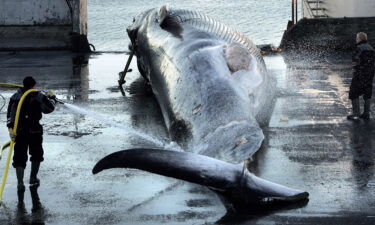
x,y
29,134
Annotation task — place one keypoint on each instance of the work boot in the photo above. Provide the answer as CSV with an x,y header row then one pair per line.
x,y
37,205
34,181
356,110
21,195
21,214
366,112
20,187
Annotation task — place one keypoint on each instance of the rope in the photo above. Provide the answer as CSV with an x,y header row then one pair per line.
x,y
70,7
5,101
93,47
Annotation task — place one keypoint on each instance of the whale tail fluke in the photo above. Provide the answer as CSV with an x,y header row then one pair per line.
x,y
236,186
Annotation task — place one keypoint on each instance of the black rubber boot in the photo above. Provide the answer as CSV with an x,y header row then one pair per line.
x,y
21,195
366,112
34,181
21,213
356,110
20,187
37,205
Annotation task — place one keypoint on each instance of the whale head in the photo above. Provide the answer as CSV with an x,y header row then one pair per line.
x,y
133,29
154,16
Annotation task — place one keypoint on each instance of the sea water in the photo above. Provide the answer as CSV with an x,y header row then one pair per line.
x,y
262,21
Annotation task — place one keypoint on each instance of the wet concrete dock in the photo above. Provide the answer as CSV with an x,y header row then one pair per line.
x,y
309,145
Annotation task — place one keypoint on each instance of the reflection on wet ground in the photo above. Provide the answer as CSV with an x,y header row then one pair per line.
x,y
309,145
38,212
363,154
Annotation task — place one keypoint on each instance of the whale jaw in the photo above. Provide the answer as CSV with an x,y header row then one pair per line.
x,y
258,195
235,185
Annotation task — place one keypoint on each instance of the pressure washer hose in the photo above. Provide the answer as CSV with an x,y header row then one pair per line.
x,y
7,85
14,130
10,85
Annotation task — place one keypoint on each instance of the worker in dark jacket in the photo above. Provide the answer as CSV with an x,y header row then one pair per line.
x,y
29,132
363,75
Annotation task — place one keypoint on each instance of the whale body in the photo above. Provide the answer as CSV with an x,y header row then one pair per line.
x,y
210,81
214,92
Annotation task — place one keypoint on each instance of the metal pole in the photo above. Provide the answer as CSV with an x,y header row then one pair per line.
x,y
123,73
293,12
296,11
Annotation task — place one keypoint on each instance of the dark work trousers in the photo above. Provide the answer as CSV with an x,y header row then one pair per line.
x,y
33,142
360,87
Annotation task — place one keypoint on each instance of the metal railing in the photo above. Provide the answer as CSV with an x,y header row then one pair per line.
x,y
316,8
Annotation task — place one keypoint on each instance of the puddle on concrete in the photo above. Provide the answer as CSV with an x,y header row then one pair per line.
x,y
309,145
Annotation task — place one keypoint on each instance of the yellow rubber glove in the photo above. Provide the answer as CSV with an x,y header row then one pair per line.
x,y
12,134
51,94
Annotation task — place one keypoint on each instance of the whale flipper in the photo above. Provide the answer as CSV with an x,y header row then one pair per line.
x,y
233,182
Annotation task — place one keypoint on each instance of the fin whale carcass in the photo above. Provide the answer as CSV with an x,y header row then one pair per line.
x,y
232,182
210,81
213,90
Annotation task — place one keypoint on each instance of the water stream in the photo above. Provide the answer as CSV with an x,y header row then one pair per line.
x,y
103,119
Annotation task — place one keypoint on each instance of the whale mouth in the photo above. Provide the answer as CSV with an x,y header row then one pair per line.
x,y
267,205
293,198
262,205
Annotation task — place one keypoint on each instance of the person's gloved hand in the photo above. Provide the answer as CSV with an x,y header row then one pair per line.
x,y
12,134
51,95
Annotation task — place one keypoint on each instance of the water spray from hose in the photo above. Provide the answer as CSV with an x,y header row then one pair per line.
x,y
103,119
